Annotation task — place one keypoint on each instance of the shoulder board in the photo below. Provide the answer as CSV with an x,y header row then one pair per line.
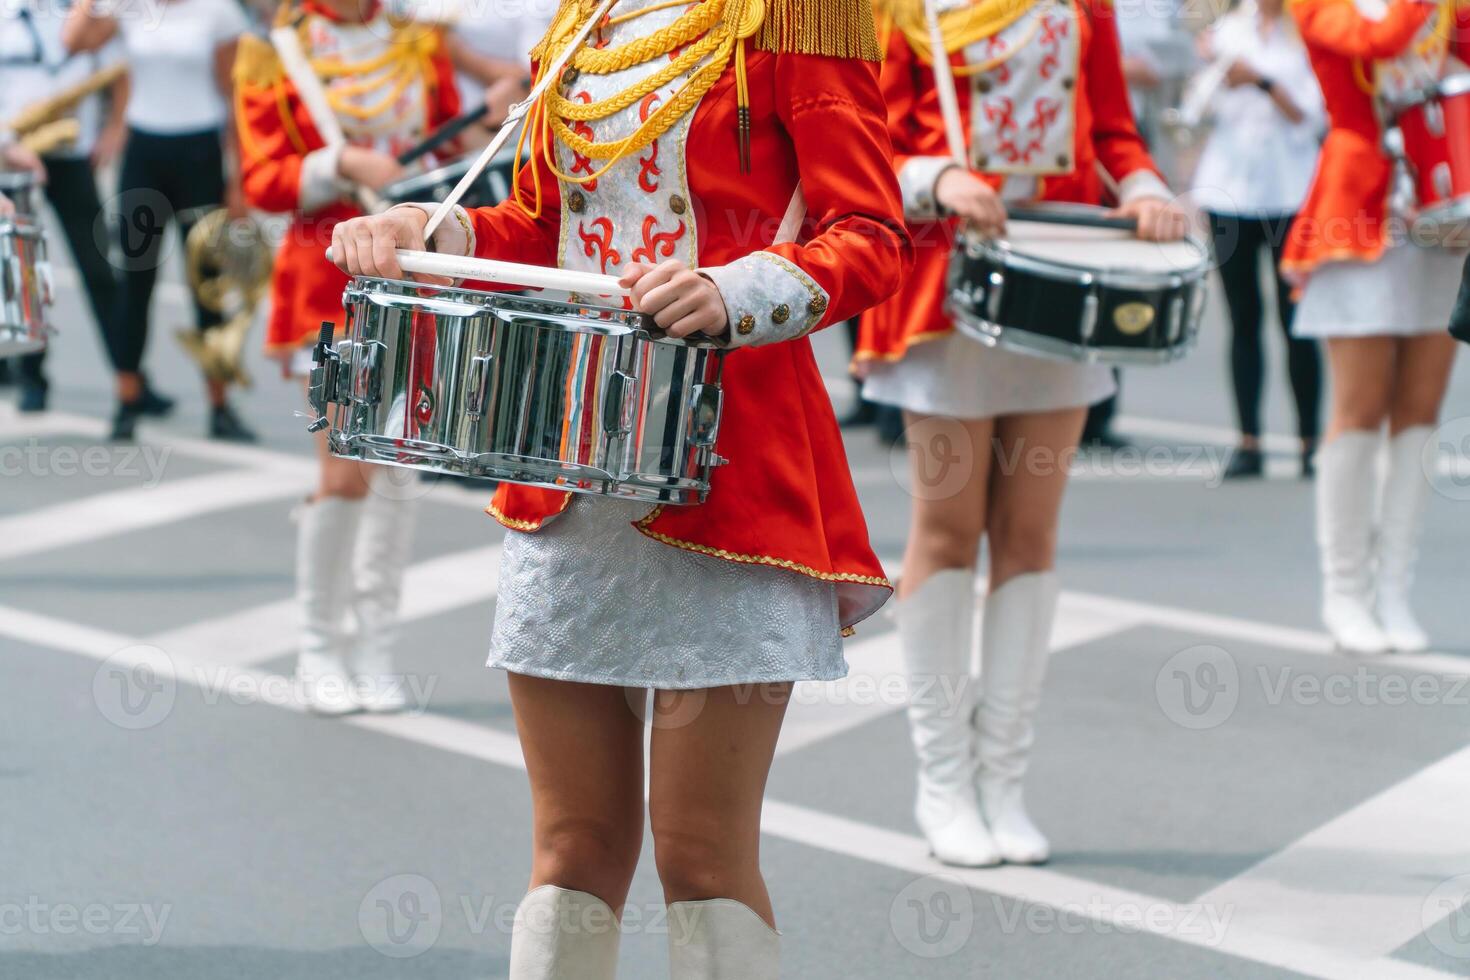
x,y
256,63
835,28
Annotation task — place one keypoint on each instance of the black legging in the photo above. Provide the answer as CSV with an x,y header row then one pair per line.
x,y
1238,243
163,176
71,188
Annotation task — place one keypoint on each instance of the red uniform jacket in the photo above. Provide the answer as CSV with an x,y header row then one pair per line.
x,y
786,497
1346,209
284,165
1104,133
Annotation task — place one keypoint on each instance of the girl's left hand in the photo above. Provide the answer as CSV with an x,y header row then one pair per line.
x,y
1159,220
680,300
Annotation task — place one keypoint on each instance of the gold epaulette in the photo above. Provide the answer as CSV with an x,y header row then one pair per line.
x,y
835,28
256,63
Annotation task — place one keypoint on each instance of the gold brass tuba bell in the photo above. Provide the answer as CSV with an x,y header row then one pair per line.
x,y
229,268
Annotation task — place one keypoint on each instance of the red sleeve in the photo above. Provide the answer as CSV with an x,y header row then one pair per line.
x,y
1120,148
446,104
1460,39
859,251
1337,26
271,148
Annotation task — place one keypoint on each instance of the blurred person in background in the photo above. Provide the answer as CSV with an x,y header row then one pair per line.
x,y
178,162
35,68
489,42
389,83
1382,301
1253,174
1460,318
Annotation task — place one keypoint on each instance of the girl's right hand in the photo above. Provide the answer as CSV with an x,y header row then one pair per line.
x,y
968,196
367,246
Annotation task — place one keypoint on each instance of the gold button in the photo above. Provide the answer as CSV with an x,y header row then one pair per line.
x,y
1067,83
576,202
746,325
678,205
1063,160
781,314
982,160
983,85
570,76
817,306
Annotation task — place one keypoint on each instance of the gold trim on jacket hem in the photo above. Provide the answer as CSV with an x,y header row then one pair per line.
x,y
516,524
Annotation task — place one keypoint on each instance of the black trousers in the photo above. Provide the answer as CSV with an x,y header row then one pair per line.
x,y
1238,244
71,189
177,177
1460,318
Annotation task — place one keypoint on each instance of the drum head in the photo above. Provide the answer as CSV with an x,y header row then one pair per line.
x,y
1102,250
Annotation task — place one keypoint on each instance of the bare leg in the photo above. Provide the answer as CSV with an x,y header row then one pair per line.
x,y
708,770
1034,455
1420,380
950,465
1363,370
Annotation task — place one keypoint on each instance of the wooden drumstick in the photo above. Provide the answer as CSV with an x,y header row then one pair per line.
x,y
587,284
549,76
949,103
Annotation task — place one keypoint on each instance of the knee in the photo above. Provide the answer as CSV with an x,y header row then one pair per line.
x,y
342,481
589,854
949,543
1412,408
1020,544
700,857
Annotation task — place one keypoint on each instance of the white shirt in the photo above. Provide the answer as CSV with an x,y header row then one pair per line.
x,y
1256,160
34,66
170,47
506,31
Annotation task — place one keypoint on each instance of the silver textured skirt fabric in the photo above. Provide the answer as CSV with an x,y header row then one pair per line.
x,y
590,598
1408,291
961,378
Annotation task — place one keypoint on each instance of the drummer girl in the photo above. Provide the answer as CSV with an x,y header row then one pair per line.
x,y
1044,111
388,83
676,140
1382,302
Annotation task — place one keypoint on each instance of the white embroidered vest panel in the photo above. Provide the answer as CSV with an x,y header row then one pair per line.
x,y
640,210
1023,110
389,107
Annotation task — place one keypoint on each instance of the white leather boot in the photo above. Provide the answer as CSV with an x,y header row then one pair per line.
x,y
1015,646
1405,493
326,530
721,939
563,934
936,629
378,563
1345,498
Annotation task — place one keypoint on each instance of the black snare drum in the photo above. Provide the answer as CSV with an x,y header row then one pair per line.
x,y
488,190
1079,293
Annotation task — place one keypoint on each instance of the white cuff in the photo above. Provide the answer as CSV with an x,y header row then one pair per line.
x,y
917,180
320,183
455,234
1141,184
768,298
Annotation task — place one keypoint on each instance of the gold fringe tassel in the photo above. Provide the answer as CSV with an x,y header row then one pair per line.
x,y
834,28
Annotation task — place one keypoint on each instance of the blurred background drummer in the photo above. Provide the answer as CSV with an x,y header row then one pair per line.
x,y
387,84
1034,129
1382,301
67,113
1264,111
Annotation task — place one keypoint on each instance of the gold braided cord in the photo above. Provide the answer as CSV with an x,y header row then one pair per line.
x,y
961,28
605,61
691,56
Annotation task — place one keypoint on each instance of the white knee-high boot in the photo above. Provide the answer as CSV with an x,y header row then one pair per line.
x,y
1405,493
1014,649
936,625
378,562
325,533
563,934
1346,487
721,939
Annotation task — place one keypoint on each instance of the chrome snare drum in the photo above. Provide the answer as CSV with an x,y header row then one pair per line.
x,y
520,389
1079,292
25,287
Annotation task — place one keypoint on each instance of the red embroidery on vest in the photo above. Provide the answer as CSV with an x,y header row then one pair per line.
x,y
648,168
599,245
581,164
656,245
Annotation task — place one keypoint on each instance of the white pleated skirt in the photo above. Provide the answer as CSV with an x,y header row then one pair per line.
x,y
1409,290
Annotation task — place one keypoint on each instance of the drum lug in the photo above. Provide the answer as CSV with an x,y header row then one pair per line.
x,y
1088,325
993,294
1176,319
367,379
479,386
705,408
1434,118
322,390
617,406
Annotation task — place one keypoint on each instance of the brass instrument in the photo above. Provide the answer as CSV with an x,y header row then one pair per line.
x,y
47,125
229,268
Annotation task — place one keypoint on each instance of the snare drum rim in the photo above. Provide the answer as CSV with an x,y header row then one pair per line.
x,y
610,321
451,172
1000,251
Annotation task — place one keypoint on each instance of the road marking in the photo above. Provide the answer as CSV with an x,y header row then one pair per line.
x,y
123,511
1116,909
251,636
1360,882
